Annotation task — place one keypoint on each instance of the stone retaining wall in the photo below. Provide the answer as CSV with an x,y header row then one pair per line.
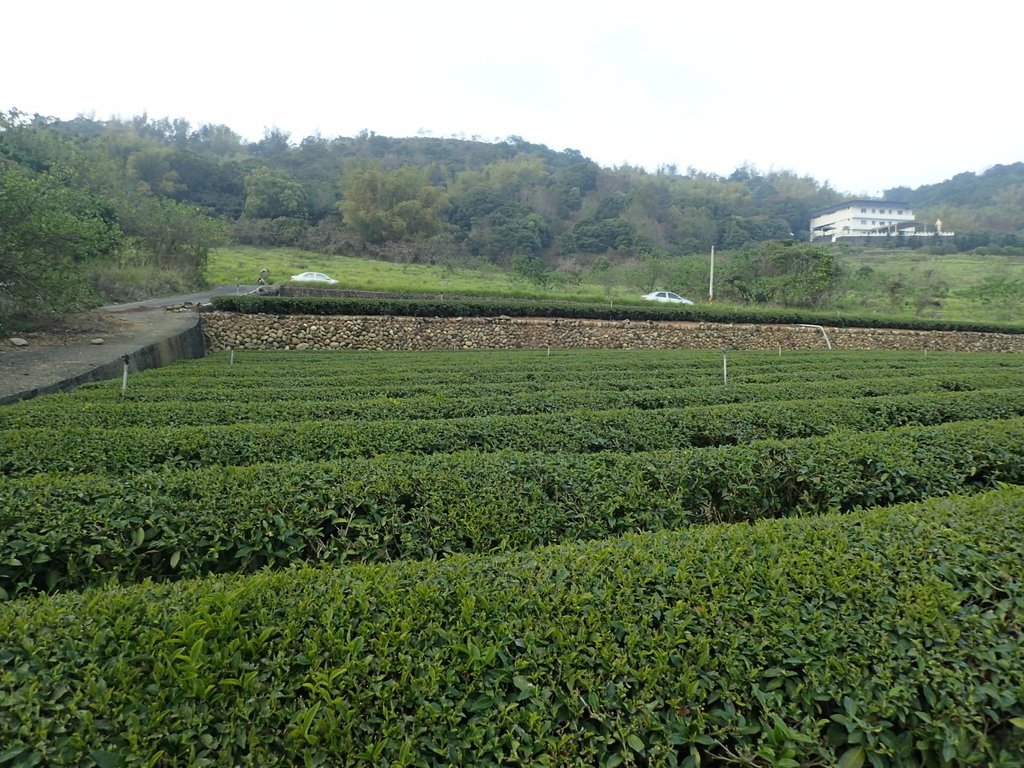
x,y
225,330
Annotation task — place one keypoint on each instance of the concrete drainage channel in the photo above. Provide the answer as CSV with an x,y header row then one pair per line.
x,y
157,338
157,332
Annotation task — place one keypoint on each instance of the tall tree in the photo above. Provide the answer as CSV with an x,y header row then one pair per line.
x,y
785,272
270,194
48,231
151,170
171,235
380,205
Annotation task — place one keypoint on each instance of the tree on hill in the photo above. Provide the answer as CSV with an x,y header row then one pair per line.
x,y
48,232
784,272
381,206
95,211
983,209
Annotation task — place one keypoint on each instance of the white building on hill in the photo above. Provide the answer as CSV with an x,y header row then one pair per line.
x,y
869,219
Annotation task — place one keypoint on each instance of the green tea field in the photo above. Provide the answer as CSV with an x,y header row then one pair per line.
x,y
544,558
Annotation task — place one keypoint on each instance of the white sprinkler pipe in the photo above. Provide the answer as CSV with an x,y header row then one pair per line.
x,y
820,328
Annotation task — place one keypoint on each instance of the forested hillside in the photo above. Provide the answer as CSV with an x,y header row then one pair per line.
x,y
132,207
986,209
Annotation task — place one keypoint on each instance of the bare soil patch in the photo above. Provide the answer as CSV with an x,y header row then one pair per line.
x,y
72,330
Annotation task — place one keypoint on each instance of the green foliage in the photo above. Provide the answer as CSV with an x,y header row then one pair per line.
x,y
884,634
983,209
171,235
409,271
965,285
72,448
783,272
128,280
676,212
381,205
216,140
271,194
72,212
274,144
590,236
497,391
473,207
995,291
507,230
427,200
48,232
530,268
404,506
441,307
151,170
506,573
424,454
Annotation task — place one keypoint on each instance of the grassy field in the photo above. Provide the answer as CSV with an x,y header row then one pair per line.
x,y
886,282
894,282
242,263
960,270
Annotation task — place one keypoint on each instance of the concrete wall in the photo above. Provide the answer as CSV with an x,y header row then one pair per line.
x,y
232,331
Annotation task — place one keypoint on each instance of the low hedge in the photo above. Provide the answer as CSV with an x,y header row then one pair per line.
x,y
281,305
356,383
889,638
132,449
228,402
60,533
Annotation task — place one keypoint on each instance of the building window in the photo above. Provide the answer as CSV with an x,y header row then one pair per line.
x,y
863,210
900,212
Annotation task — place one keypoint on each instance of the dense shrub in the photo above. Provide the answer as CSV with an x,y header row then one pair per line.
x,y
884,636
69,532
287,305
581,600
125,449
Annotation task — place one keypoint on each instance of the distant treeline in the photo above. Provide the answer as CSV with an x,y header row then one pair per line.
x,y
984,209
154,196
495,200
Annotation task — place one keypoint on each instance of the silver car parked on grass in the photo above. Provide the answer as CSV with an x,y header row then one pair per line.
x,y
674,298
314,277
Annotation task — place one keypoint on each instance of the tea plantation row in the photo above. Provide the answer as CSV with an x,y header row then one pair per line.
x,y
364,370
75,530
885,637
75,449
232,404
652,311
518,558
229,395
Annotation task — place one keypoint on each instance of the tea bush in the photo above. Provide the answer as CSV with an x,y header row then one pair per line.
x,y
887,637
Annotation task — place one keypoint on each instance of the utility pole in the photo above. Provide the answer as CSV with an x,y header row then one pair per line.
x,y
711,283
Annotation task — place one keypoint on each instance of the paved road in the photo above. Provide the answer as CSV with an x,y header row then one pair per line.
x,y
203,297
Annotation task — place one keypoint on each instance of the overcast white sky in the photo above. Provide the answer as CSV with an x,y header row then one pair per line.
x,y
866,95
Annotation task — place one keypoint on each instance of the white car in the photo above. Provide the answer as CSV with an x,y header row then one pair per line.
x,y
675,298
315,277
